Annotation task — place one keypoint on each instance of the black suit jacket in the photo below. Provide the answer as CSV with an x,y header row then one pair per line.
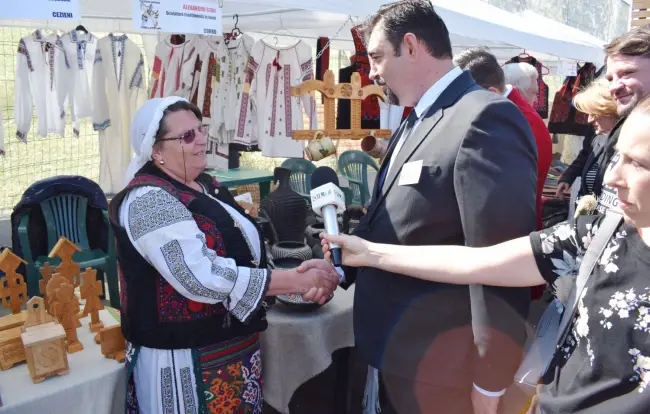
x,y
477,188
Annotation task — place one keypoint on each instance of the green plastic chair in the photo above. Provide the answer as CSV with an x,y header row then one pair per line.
x,y
353,165
65,216
301,171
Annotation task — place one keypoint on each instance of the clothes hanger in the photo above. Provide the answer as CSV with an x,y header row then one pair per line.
x,y
281,28
81,28
234,33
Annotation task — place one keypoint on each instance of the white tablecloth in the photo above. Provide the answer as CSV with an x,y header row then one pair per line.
x,y
94,385
297,346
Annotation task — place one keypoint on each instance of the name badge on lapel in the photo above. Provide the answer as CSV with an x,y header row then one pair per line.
x,y
410,173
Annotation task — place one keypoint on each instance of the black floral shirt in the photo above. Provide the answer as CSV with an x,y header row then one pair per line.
x,y
603,366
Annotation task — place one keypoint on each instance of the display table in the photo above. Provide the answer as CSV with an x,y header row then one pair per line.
x,y
297,346
95,384
244,176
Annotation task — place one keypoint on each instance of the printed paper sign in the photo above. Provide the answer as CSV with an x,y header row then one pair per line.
x,y
177,16
41,9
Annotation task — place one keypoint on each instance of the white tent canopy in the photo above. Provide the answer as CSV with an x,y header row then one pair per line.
x,y
470,22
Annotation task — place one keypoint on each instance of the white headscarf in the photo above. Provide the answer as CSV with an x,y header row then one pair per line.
x,y
143,132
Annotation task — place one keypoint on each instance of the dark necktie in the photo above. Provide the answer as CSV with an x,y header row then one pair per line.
x,y
403,136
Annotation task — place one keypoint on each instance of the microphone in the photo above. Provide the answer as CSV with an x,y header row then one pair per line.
x,y
327,200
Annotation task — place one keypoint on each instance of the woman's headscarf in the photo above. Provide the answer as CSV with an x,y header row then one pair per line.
x,y
143,132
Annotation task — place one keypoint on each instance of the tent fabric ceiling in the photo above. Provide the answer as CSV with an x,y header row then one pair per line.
x,y
470,22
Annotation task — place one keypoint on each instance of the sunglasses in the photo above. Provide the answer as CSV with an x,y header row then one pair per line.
x,y
188,136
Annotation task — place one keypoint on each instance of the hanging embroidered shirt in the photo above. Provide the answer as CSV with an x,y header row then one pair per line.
x,y
201,78
268,113
80,48
565,118
166,70
42,81
118,91
239,51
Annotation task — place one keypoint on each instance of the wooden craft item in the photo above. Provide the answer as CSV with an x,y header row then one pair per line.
x,y
46,271
331,91
12,287
53,285
44,345
113,343
12,350
36,314
12,321
65,249
91,290
66,310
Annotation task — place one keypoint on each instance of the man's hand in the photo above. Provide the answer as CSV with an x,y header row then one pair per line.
x,y
354,249
561,189
318,278
483,404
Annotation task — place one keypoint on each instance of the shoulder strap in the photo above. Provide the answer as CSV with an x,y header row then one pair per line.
x,y
607,228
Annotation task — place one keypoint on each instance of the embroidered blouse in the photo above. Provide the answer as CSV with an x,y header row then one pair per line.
x,y
268,114
42,81
81,49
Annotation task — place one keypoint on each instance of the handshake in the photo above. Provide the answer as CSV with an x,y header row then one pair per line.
x,y
314,279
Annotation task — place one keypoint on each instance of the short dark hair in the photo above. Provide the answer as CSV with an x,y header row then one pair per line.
x,y
411,16
484,67
175,107
636,42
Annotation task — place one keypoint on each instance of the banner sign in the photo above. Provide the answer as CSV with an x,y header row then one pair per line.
x,y
41,9
177,16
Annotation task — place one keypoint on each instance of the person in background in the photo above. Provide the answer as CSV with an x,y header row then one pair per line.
x,y
628,73
487,72
603,365
523,77
597,102
193,274
462,170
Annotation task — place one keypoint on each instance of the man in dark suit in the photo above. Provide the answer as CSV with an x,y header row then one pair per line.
x,y
460,170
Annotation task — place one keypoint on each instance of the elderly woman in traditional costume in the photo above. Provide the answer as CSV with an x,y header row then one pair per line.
x,y
193,274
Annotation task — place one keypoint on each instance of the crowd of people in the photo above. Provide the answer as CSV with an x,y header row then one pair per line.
x,y
443,259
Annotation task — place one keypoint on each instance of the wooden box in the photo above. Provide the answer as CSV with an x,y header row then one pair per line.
x,y
12,321
12,350
45,350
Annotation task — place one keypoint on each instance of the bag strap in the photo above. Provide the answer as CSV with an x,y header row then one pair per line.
x,y
607,228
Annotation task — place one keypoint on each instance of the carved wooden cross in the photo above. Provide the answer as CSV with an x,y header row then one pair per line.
x,y
12,287
331,91
66,309
65,249
91,290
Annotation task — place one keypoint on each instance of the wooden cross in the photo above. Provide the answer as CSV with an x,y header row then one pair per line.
x,y
46,272
66,309
12,287
65,249
331,91
91,290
